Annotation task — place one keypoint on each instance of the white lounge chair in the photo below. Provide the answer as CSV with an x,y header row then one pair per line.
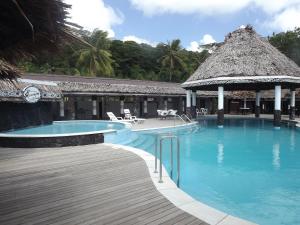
x,y
204,111
162,114
112,117
172,113
198,112
128,116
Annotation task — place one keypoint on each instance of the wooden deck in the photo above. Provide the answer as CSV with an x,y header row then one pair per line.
x,y
81,185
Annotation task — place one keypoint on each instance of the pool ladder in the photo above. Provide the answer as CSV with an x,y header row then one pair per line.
x,y
161,139
183,118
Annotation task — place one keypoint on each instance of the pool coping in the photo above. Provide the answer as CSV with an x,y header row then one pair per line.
x,y
179,198
167,127
127,125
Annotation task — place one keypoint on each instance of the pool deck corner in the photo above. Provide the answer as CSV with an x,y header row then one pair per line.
x,y
181,199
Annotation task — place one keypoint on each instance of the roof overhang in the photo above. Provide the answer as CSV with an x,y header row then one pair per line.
x,y
244,83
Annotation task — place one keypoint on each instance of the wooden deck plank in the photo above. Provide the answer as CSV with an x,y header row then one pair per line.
x,y
92,184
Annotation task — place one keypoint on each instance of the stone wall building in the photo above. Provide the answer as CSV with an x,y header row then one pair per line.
x,y
72,97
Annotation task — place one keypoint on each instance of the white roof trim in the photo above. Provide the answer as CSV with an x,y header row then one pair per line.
x,y
240,78
41,82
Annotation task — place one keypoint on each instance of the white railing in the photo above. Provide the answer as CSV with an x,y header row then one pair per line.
x,y
161,139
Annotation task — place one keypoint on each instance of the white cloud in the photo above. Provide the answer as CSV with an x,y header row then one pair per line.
x,y
211,7
152,7
138,40
286,20
93,14
207,39
281,14
196,46
271,6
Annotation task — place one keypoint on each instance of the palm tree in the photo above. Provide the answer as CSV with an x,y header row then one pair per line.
x,y
172,58
96,59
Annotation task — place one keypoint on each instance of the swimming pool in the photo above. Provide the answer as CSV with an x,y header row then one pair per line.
x,y
69,127
247,169
61,133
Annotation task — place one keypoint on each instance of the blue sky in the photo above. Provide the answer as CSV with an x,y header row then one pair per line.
x,y
195,22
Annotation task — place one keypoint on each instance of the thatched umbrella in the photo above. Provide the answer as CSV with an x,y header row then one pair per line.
x,y
245,61
28,27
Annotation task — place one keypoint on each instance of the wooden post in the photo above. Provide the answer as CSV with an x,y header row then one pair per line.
x,y
165,103
277,109
220,106
194,102
122,106
94,105
145,107
62,109
188,102
293,103
257,104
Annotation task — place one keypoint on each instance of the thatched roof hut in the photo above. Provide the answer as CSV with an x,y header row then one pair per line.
x,y
7,71
28,27
245,61
78,85
13,90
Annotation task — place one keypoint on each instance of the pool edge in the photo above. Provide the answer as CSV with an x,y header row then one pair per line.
x,y
180,198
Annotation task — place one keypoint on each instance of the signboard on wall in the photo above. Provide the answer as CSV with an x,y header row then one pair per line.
x,y
31,94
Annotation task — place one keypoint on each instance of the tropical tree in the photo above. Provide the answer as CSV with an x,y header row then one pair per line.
x,y
288,43
172,59
96,58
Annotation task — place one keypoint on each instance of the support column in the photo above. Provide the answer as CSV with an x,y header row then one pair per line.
x,y
62,109
220,106
293,103
194,103
188,102
145,107
257,104
277,109
122,106
166,104
94,105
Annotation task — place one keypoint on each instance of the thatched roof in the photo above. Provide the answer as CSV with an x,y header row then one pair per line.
x,y
245,62
112,86
53,87
28,27
7,71
12,90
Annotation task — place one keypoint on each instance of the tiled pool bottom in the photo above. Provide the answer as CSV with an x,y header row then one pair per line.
x,y
248,169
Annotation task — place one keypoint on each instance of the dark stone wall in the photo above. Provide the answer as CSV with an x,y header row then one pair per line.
x,y
19,115
47,142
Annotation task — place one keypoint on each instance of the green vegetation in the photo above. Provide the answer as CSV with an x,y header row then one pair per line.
x,y
172,59
288,43
114,58
101,56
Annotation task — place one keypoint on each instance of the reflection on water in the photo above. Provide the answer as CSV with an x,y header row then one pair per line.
x,y
292,140
220,156
276,155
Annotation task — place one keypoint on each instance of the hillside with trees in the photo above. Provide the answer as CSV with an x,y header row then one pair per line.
x,y
101,56
288,43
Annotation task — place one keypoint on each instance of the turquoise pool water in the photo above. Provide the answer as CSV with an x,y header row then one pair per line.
x,y
69,127
247,169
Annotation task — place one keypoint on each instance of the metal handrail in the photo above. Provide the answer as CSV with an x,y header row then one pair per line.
x,y
184,115
171,137
180,118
